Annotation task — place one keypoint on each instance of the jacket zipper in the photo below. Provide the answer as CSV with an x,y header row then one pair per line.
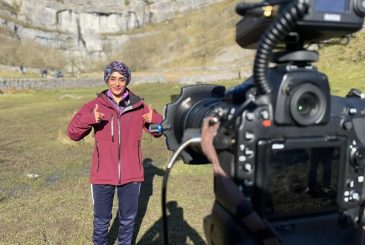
x,y
119,174
97,153
112,128
139,155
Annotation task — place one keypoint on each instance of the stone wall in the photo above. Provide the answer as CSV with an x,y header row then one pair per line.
x,y
186,79
47,84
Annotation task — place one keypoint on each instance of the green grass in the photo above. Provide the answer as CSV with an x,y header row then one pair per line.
x,y
18,75
55,208
344,65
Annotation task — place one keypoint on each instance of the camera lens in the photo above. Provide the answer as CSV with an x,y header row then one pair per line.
x,y
187,111
307,104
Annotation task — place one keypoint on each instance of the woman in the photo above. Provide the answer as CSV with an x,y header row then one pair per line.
x,y
118,118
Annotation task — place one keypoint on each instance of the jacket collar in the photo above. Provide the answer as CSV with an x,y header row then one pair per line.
x,y
135,100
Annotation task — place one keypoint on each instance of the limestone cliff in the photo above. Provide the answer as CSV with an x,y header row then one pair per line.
x,y
86,27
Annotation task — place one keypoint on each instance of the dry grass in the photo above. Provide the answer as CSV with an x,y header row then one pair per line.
x,y
188,40
344,65
29,54
55,207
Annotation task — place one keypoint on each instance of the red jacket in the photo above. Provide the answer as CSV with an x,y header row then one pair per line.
x,y
117,157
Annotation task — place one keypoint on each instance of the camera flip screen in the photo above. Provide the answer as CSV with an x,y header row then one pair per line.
x,y
303,181
298,178
330,6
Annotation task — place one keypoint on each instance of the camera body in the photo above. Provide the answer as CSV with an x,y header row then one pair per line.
x,y
295,151
324,19
265,143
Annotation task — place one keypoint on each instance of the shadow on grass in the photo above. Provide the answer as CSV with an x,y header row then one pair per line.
x,y
179,230
146,192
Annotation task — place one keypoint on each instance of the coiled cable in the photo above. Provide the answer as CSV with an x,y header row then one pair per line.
x,y
276,32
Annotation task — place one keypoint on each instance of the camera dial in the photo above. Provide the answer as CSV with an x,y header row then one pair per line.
x,y
357,157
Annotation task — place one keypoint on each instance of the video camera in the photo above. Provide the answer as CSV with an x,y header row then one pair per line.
x,y
294,150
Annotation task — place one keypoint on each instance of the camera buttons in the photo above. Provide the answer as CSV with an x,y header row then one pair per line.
x,y
352,111
249,135
248,152
242,158
350,183
266,123
265,114
360,179
246,167
250,116
346,124
351,196
354,196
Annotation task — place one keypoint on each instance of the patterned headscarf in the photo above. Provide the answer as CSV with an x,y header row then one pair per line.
x,y
119,67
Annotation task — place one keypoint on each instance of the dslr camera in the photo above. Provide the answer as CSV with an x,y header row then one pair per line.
x,y
295,151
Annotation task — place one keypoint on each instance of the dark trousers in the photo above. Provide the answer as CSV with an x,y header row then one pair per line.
x,y
103,196
325,156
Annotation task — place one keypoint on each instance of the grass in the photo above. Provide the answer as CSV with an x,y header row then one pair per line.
x,y
18,75
190,39
344,65
55,207
44,189
30,54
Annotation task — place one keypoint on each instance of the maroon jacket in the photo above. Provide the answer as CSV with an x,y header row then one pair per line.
x,y
117,155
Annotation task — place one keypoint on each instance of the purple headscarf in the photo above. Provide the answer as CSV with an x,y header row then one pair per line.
x,y
119,67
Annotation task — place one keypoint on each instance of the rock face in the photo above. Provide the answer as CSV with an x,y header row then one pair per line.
x,y
87,28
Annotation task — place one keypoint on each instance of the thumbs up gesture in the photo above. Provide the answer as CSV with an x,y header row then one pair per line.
x,y
98,115
148,116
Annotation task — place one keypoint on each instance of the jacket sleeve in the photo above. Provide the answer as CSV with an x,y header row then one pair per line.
x,y
81,123
156,119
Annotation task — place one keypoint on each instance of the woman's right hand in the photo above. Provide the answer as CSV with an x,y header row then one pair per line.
x,y
98,115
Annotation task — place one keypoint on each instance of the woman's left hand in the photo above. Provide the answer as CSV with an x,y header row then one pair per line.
x,y
148,116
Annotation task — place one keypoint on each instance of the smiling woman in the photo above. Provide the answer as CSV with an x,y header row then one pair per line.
x,y
117,85
117,116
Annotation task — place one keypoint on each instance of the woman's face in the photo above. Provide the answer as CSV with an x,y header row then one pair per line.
x,y
117,84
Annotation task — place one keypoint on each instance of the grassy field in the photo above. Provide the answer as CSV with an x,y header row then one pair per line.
x,y
44,188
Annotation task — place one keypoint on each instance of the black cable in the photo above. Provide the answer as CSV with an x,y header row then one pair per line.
x,y
170,164
163,204
276,32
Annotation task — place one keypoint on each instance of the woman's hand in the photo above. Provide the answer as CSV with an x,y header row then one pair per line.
x,y
148,116
98,115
